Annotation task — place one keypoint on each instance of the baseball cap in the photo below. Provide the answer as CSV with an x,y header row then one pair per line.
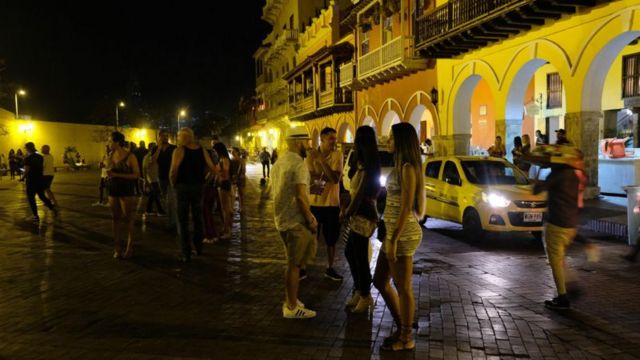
x,y
298,133
561,131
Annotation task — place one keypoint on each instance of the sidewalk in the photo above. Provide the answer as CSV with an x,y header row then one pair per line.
x,y
607,216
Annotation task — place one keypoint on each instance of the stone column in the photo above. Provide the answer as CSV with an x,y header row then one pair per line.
x,y
513,128
583,132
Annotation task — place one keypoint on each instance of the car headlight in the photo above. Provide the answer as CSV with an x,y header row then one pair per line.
x,y
383,180
496,200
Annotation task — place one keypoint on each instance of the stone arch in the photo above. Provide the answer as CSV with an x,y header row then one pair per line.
x,y
368,114
389,119
389,105
368,121
466,78
346,133
421,98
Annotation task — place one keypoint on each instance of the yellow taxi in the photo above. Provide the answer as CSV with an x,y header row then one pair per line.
x,y
484,194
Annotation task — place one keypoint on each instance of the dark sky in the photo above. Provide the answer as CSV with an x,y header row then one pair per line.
x,y
71,57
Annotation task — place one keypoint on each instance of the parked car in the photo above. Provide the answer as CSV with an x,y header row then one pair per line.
x,y
484,194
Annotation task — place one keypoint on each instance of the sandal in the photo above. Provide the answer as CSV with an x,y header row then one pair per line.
x,y
404,342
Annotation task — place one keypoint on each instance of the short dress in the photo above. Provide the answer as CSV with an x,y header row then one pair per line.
x,y
120,187
411,236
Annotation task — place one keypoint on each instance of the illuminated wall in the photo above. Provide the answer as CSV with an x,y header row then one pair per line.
x,y
87,139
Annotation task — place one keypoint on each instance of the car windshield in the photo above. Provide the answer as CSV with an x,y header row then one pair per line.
x,y
488,172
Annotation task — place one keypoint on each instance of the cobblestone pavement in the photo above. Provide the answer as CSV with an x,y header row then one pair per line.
x,y
62,296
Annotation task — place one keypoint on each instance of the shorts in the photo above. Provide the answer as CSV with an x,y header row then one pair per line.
x,y
300,245
329,222
46,182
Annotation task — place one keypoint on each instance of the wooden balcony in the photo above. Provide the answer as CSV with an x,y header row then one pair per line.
x,y
301,107
459,26
390,61
278,86
287,39
347,76
334,97
271,10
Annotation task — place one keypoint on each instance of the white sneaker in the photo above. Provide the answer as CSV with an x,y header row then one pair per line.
x,y
297,313
97,203
210,241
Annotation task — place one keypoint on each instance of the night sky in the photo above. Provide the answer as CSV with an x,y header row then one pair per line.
x,y
77,59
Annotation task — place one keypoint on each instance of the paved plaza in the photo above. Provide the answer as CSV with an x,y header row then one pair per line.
x,y
63,296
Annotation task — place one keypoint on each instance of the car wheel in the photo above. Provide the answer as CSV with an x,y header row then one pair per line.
x,y
423,222
537,235
471,226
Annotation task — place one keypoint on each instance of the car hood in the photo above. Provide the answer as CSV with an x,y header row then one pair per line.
x,y
514,192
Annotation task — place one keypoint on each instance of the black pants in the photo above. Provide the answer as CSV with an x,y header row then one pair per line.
x,y
357,253
266,165
189,197
32,190
153,197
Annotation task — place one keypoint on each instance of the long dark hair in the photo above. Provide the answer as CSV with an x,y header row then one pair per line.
x,y
366,154
221,150
407,151
363,130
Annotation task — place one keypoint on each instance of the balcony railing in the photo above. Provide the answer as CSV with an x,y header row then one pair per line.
x,y
288,38
302,106
463,25
346,74
334,97
388,61
271,10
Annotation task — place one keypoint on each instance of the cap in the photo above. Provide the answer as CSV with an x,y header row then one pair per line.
x,y
561,131
298,133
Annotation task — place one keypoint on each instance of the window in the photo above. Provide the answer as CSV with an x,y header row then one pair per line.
x,y
451,174
631,75
326,77
387,34
554,91
433,169
493,173
364,45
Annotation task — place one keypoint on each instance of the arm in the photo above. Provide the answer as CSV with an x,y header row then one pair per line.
x,y
333,174
407,197
207,159
176,160
302,199
356,199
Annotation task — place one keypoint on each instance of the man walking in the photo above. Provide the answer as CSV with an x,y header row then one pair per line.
x,y
47,173
325,166
293,218
562,215
33,168
162,157
265,160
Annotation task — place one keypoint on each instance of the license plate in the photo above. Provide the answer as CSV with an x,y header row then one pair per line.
x,y
532,217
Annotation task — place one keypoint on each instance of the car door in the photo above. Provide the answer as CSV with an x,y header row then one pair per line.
x,y
451,187
433,187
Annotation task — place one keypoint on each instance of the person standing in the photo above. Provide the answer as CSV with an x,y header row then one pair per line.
x,y
364,195
150,175
225,189
561,137
211,201
516,152
239,175
540,138
498,149
140,153
325,166
122,175
526,150
562,186
265,159
274,156
34,180
47,173
187,174
405,204
293,218
163,158
20,164
104,164
13,164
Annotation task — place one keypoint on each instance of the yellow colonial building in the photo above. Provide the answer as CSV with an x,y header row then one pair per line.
x,y
461,71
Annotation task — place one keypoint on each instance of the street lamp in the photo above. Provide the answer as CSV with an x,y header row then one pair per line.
x,y
21,93
182,113
118,106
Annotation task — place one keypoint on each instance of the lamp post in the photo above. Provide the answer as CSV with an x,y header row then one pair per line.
x,y
21,93
118,106
181,113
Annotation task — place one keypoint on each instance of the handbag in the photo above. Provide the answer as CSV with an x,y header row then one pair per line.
x,y
362,226
318,185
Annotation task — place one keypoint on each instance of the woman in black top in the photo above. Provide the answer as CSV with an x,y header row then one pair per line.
x,y
122,175
187,174
226,193
364,194
13,164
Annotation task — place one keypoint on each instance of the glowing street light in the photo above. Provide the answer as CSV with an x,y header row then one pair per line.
x,y
118,106
21,93
182,113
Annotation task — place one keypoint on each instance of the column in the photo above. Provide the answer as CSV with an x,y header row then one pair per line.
x,y
583,132
456,144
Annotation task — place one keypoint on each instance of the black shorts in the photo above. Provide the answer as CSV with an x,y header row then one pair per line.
x,y
46,181
329,222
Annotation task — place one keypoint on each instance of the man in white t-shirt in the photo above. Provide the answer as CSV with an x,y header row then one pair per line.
x,y
104,166
293,217
48,172
325,166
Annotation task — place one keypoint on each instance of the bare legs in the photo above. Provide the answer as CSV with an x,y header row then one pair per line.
x,y
400,301
123,210
292,283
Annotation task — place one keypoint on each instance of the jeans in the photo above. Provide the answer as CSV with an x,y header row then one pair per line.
x,y
32,190
189,197
266,166
154,198
169,197
357,253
